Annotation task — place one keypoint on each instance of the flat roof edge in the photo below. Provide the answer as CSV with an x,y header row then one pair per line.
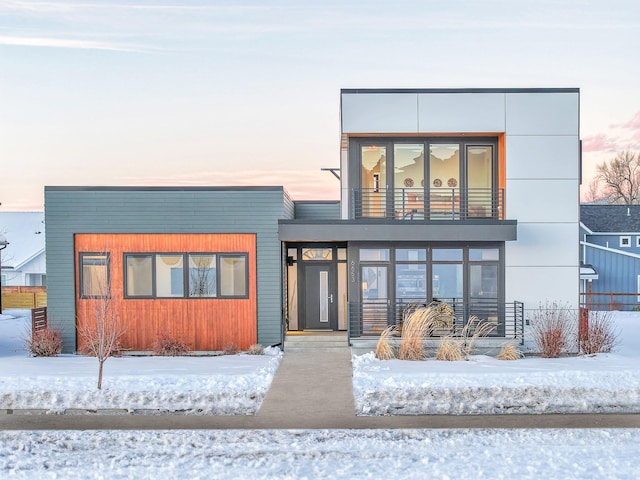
x,y
460,90
57,188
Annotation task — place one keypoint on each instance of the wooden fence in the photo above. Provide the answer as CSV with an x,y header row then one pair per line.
x,y
23,297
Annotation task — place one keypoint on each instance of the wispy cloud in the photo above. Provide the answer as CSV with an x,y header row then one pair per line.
x,y
619,136
599,142
48,42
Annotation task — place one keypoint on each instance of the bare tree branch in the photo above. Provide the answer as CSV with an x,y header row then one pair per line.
x,y
620,178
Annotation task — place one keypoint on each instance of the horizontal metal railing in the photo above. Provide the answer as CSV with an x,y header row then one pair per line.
x,y
428,204
370,318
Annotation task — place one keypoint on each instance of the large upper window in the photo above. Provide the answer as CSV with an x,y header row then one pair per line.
x,y
426,178
94,275
186,275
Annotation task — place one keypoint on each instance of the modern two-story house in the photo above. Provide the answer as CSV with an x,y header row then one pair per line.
x,y
468,197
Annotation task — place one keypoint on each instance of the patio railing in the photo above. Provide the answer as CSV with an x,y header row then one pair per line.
x,y
369,319
428,204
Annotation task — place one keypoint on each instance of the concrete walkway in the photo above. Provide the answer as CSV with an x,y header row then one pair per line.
x,y
311,390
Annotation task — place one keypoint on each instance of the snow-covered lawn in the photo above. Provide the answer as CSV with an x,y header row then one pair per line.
x,y
237,385
578,384
223,385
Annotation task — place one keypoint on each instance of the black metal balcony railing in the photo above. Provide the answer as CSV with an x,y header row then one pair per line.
x,y
428,204
371,318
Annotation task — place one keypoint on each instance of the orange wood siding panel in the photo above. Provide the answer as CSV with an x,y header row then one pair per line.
x,y
206,324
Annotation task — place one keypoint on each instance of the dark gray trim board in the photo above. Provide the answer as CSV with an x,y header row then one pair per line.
x,y
430,231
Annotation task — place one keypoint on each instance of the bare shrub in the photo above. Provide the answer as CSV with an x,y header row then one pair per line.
x,y
552,325
168,346
231,349
509,352
255,349
384,349
44,343
601,335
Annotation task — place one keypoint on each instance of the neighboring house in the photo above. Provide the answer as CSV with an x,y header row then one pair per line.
x,y
468,197
24,259
610,245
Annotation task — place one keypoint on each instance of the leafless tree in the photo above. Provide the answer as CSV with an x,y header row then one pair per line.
x,y
592,192
620,178
101,331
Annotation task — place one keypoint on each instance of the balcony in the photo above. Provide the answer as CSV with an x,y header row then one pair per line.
x,y
428,204
369,319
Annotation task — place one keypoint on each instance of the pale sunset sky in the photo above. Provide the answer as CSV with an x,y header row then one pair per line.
x,y
204,92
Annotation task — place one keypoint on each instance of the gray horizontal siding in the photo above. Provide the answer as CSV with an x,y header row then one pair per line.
x,y
317,210
128,210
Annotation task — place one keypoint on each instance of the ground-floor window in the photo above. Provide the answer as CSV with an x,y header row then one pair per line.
x,y
207,275
423,273
94,275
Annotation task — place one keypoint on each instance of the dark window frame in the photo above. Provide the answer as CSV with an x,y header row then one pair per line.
x,y
465,261
81,263
185,276
389,142
125,276
221,255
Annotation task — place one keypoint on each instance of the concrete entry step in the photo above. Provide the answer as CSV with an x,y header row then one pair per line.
x,y
315,341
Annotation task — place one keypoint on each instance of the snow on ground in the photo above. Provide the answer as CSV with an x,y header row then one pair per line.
x,y
326,454
603,383
222,385
237,384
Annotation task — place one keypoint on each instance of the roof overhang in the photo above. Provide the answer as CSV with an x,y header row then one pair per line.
x,y
587,272
395,230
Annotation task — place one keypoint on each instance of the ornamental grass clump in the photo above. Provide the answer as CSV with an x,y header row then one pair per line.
x,y
509,352
449,350
384,347
461,344
418,325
